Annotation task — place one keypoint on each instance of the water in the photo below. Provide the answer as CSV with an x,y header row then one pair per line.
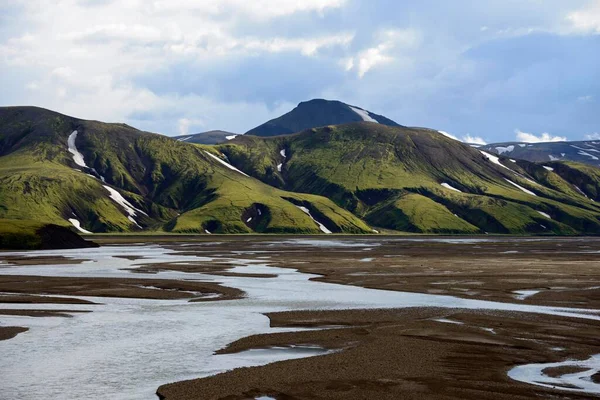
x,y
126,348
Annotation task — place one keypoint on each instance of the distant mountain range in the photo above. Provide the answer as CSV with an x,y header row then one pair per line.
x,y
587,152
356,177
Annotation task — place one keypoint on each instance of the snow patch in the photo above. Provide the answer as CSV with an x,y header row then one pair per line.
x,y
77,156
249,219
507,149
548,168
511,160
229,137
545,214
226,164
493,159
520,187
207,232
581,191
321,226
364,114
448,135
522,145
282,152
184,139
447,186
77,225
127,206
554,158
279,166
584,153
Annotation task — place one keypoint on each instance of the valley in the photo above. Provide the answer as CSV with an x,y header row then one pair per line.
x,y
383,317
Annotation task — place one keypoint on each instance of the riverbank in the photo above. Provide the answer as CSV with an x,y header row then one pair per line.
x,y
402,354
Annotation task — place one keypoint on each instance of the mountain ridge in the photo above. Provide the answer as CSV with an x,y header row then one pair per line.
x,y
347,178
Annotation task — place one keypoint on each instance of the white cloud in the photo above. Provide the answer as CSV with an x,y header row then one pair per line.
x,y
258,9
185,123
473,139
544,137
587,19
585,99
90,70
306,46
593,136
33,85
388,40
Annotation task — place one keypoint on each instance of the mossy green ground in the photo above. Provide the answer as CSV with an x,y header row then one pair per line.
x,y
391,177
179,186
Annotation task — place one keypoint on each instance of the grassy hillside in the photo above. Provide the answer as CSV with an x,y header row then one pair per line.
x,y
392,177
165,185
35,235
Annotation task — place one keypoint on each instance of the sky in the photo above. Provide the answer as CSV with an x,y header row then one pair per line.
x,y
483,71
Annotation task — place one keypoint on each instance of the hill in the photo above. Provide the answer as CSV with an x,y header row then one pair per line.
x,y
100,177
316,113
418,180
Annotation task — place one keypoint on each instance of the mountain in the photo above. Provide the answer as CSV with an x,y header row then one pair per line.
x,y
209,137
587,152
101,177
316,113
418,180
92,176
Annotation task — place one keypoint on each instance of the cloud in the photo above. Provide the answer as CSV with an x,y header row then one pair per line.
x,y
234,64
544,137
587,19
465,138
473,139
388,40
593,136
259,9
185,123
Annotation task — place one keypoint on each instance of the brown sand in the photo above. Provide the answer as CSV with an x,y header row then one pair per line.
x,y
565,270
401,354
32,299
42,313
9,332
109,287
392,354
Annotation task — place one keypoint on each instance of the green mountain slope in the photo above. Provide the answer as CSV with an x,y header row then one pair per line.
x,y
421,181
117,178
315,113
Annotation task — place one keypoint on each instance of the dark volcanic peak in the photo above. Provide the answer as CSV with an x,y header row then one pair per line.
x,y
209,137
316,113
